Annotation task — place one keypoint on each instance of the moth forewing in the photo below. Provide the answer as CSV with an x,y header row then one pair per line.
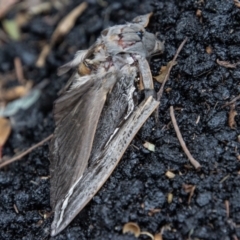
x,y
96,175
76,115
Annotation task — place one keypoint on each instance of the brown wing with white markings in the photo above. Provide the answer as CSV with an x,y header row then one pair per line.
x,y
76,115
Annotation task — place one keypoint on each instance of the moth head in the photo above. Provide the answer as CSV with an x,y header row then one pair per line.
x,y
132,38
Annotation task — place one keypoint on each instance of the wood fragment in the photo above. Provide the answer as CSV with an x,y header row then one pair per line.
x,y
170,174
226,64
149,146
5,130
231,117
19,70
227,208
45,177
43,55
15,208
225,178
21,155
193,161
169,198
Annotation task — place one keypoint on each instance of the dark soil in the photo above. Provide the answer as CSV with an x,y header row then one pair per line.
x,y
197,88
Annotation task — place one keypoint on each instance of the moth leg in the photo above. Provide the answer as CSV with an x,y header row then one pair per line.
x,y
146,78
147,82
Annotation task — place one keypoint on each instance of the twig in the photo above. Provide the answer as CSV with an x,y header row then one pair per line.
x,y
227,208
235,237
231,102
63,28
15,208
5,7
19,70
194,162
160,92
18,157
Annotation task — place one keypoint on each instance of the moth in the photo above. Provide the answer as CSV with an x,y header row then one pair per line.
x,y
98,113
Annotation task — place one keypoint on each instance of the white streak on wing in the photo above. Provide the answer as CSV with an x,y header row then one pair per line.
x,y
130,102
115,131
65,202
129,111
78,57
79,81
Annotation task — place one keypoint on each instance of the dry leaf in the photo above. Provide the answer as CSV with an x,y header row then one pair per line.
x,y
226,64
187,188
12,29
209,49
22,18
170,175
231,118
135,229
20,104
163,72
5,130
62,29
149,146
199,13
158,236
15,92
39,223
132,228
148,234
237,3
5,6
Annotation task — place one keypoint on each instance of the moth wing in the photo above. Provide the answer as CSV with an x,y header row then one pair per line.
x,y
76,115
78,58
99,171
